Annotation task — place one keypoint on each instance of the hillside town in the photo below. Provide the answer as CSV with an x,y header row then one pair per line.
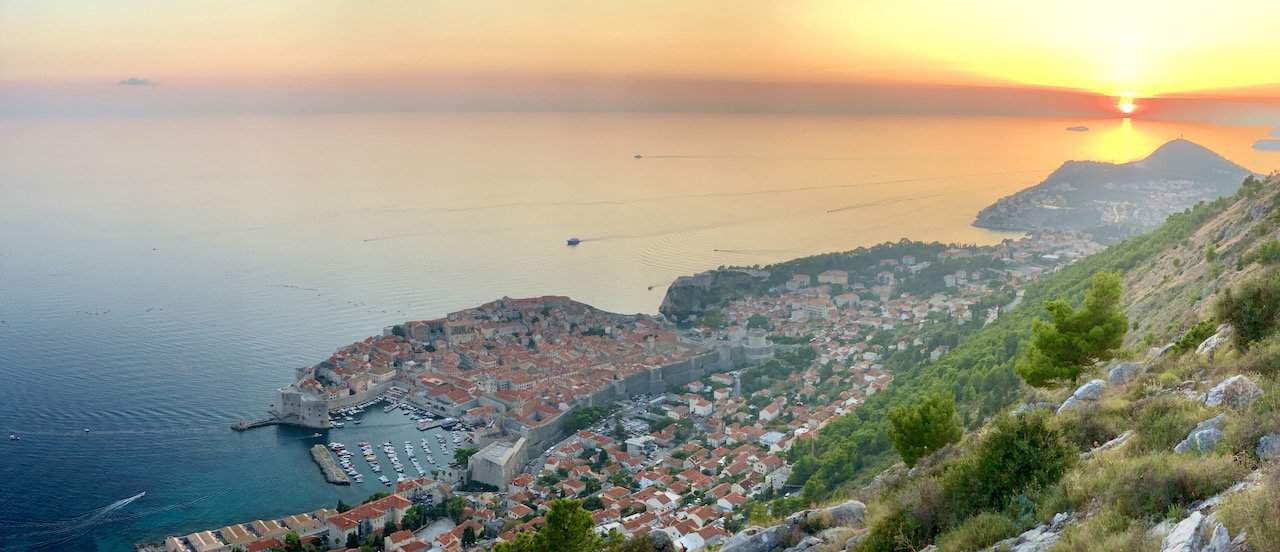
x,y
692,455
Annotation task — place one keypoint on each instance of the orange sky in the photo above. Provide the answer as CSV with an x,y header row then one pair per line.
x,y
1143,47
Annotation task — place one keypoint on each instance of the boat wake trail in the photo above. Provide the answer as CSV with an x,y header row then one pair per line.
x,y
881,202
687,196
39,535
756,252
47,534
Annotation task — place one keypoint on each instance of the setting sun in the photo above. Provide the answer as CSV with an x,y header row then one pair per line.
x,y
1126,105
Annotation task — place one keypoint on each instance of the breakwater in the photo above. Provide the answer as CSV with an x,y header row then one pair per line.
x,y
328,466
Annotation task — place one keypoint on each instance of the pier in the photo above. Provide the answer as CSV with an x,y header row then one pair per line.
x,y
332,473
246,425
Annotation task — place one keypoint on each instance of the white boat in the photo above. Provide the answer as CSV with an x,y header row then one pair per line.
x,y
384,480
14,437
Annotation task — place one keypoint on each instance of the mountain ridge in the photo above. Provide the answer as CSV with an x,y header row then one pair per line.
x,y
1115,200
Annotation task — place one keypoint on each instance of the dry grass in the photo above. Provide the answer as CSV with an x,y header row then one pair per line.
x,y
977,532
1150,486
1256,511
1108,531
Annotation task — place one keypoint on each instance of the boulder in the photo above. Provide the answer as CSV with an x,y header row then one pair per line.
x,y
1204,437
808,544
855,540
835,535
1219,540
1088,392
1269,447
848,514
1215,341
1185,536
1123,373
1039,539
1109,445
1235,392
753,539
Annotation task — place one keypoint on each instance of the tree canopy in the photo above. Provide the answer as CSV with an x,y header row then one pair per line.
x,y
568,528
1074,339
919,428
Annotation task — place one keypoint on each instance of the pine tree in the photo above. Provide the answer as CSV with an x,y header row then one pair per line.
x,y
921,427
1075,339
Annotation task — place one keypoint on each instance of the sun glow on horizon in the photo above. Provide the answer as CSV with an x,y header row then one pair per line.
x,y
1106,53
1126,104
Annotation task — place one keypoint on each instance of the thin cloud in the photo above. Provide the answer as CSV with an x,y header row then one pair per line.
x,y
135,81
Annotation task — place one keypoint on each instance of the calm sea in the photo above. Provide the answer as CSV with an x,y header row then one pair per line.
x,y
159,278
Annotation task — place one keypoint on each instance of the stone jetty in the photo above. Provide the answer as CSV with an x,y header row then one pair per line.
x,y
332,473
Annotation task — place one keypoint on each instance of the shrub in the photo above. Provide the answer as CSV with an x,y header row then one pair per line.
x,y
1161,422
1092,424
910,517
1242,431
1268,252
1256,512
1194,336
897,530
1019,453
1251,308
977,532
923,426
1262,358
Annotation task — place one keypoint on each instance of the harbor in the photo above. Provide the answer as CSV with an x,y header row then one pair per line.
x,y
372,457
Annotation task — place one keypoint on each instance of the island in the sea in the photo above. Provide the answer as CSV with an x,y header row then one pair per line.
x,y
1114,201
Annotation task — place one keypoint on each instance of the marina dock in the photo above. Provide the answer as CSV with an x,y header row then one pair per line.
x,y
332,473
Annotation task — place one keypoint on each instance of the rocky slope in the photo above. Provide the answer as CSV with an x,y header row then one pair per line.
x,y
1179,440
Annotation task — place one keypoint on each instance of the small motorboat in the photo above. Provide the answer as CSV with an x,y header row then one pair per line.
x,y
14,437
573,241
